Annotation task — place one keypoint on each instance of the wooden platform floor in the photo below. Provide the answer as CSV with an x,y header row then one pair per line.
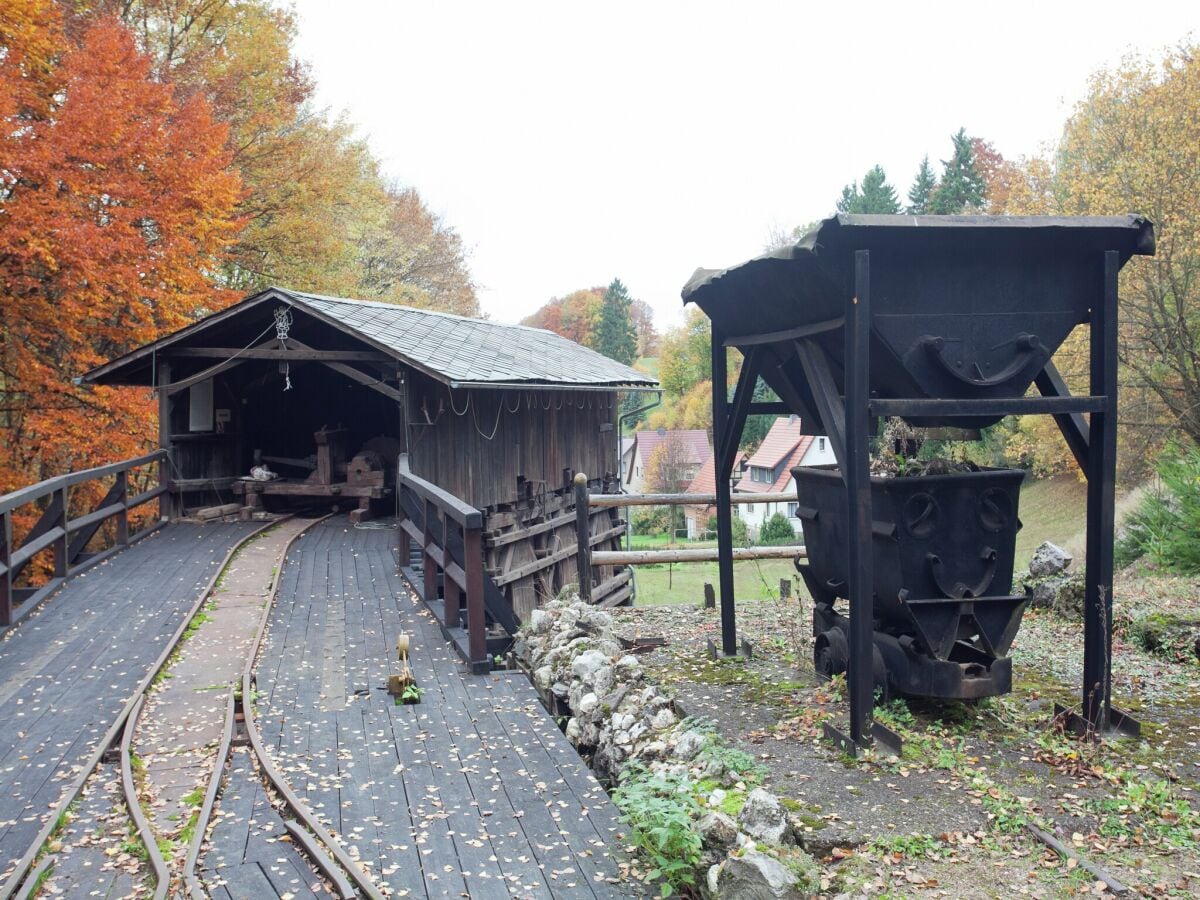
x,y
472,792
67,670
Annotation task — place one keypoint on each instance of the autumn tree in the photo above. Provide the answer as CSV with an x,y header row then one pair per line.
x,y
920,195
1134,145
961,188
574,316
642,316
117,202
875,196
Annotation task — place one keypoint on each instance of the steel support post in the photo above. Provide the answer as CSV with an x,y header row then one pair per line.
x,y
720,408
860,680
1101,480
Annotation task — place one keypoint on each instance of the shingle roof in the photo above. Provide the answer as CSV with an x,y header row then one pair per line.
x,y
475,350
783,444
705,481
453,349
694,446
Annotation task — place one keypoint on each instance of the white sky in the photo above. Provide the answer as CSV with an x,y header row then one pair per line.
x,y
571,143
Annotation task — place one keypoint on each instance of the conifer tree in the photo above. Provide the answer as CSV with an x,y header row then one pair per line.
x,y
616,337
962,188
920,195
875,197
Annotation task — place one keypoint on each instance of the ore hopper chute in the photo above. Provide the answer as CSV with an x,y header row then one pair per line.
x,y
946,322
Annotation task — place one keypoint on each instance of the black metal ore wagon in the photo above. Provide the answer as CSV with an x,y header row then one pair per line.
x,y
946,322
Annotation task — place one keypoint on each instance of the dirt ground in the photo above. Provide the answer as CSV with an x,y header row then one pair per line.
x,y
949,816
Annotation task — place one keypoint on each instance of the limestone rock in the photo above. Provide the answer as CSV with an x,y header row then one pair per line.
x,y
586,664
717,830
757,876
764,819
1049,559
689,744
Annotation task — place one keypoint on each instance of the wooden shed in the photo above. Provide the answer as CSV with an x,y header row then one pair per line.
x,y
421,413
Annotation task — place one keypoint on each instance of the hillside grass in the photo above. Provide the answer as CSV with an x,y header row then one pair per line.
x,y
1051,509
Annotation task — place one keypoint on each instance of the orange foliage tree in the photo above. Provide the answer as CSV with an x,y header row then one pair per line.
x,y
117,202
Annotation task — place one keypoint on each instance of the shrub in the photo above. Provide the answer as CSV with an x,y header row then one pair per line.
x,y
661,810
777,530
651,520
1165,526
741,535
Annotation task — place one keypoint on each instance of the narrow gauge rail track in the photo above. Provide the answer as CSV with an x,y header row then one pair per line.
x,y
310,837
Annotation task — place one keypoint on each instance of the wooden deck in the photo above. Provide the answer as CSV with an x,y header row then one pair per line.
x,y
472,792
67,671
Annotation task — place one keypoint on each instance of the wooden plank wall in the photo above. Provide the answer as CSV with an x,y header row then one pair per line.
x,y
482,442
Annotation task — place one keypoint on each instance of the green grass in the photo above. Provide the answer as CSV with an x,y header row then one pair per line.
x,y
1052,509
661,584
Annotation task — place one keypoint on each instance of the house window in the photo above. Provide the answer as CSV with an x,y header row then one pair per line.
x,y
821,444
758,473
793,508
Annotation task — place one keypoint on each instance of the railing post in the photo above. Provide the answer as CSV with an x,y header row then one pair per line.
x,y
583,538
476,618
428,565
450,589
6,576
122,491
61,562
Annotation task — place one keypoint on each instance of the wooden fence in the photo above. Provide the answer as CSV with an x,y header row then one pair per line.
x,y
67,538
589,558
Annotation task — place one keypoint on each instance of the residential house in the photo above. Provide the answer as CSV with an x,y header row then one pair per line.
x,y
769,471
687,449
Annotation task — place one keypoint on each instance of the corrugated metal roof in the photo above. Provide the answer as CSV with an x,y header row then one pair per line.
x,y
474,350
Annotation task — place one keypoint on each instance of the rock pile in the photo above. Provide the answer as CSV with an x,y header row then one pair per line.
x,y
1052,585
623,724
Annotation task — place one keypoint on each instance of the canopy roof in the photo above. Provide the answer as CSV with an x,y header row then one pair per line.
x,y
456,350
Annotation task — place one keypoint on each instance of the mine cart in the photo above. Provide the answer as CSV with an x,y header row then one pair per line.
x,y
945,322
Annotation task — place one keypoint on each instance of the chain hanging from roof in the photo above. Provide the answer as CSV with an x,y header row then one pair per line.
x,y
283,326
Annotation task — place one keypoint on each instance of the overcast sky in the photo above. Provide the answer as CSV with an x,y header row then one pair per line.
x,y
572,143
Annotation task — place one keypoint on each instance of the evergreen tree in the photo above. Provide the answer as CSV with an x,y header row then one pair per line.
x,y
962,188
920,195
616,337
875,197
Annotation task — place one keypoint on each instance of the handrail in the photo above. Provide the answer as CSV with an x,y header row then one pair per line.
x,y
33,492
463,513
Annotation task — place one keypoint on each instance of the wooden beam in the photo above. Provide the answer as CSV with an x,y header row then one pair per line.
x,y
702,554
600,501
376,384
530,568
293,354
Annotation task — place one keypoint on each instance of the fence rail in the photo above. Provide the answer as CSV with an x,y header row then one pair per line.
x,y
68,538
589,558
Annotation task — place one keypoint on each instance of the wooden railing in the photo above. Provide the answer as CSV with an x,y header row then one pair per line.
x,y
450,535
588,558
67,538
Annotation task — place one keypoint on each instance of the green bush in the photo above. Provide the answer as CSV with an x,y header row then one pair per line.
x,y
741,535
777,530
1165,526
661,811
651,520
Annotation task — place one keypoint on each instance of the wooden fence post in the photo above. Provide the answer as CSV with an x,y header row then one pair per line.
x,y
428,565
122,489
451,593
476,619
61,562
583,538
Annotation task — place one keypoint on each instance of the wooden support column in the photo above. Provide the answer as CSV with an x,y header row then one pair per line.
x,y
451,593
476,616
860,675
720,408
6,575
429,566
583,538
1101,481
